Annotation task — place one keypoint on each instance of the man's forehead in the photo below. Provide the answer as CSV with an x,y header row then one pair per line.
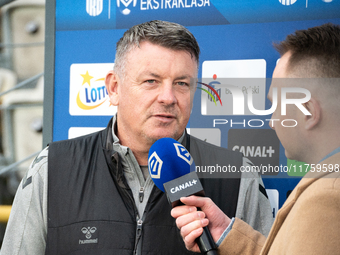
x,y
280,70
146,43
279,73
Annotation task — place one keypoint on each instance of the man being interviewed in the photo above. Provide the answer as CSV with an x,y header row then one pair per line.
x,y
94,195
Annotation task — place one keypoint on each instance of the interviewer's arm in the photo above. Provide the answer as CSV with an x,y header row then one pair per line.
x,y
242,239
191,222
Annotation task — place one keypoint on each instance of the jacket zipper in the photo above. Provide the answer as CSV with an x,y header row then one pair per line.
x,y
141,194
138,249
138,237
138,244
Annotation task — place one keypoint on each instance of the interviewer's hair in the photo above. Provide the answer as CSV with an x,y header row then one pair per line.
x,y
316,48
166,34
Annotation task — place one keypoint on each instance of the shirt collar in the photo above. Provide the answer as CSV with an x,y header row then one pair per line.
x,y
116,139
337,150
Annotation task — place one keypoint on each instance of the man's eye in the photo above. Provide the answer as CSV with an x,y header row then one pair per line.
x,y
150,81
182,83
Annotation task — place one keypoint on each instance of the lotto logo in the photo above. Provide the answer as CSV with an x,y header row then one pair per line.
x,y
88,95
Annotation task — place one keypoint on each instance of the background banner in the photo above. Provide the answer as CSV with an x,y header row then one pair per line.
x,y
236,40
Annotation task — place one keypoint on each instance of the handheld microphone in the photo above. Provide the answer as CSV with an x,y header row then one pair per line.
x,y
172,169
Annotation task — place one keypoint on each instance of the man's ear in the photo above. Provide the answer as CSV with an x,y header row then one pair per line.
x,y
314,108
111,83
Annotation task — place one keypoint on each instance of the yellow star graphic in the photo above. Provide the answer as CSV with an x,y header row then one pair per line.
x,y
87,78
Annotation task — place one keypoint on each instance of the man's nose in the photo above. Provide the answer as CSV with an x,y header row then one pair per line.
x,y
167,94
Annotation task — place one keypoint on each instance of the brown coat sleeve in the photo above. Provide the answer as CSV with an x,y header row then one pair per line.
x,y
242,239
308,224
313,224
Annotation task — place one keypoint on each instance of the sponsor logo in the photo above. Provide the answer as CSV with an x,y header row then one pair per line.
x,y
92,95
125,6
233,79
126,3
246,96
155,166
88,94
255,151
88,231
291,2
260,146
88,234
183,186
241,84
287,2
94,7
183,153
211,97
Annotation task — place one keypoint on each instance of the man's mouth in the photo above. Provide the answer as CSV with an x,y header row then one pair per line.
x,y
165,117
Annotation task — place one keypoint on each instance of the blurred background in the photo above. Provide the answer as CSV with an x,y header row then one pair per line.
x,y
22,35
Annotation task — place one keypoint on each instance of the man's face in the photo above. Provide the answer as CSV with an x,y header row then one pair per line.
x,y
289,136
155,96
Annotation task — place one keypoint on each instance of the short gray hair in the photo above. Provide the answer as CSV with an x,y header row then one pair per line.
x,y
166,34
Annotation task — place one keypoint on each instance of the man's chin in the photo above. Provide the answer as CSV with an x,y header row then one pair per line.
x,y
156,136
291,157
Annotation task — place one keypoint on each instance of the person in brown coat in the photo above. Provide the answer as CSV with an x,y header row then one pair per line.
x,y
309,220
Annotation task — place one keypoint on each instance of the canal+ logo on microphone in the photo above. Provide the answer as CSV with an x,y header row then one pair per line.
x,y
88,94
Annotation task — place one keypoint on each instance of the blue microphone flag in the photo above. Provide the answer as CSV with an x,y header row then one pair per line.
x,y
168,160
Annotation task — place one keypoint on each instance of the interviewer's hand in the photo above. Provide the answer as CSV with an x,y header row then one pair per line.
x,y
191,222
